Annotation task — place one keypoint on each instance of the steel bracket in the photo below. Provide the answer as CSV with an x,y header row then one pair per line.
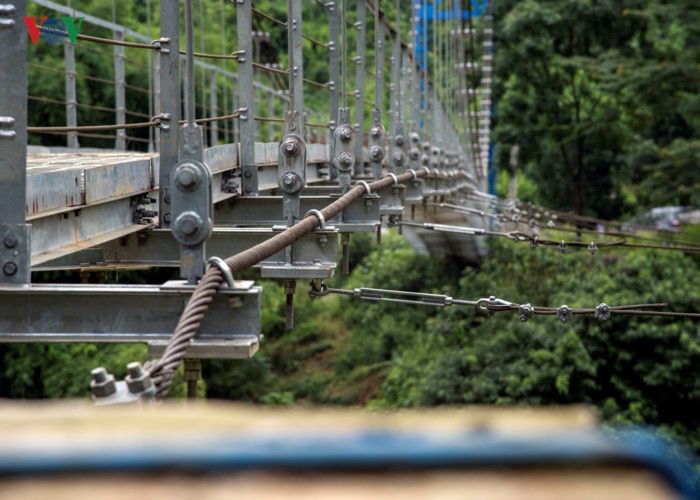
x,y
14,254
343,153
312,257
191,191
291,168
131,313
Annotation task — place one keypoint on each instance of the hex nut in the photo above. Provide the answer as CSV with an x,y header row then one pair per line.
x,y
137,380
188,176
102,384
345,133
10,269
11,241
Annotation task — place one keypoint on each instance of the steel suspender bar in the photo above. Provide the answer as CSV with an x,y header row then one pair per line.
x,y
120,90
191,183
169,103
71,95
249,171
14,233
360,88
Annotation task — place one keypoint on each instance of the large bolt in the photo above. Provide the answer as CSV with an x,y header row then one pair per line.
x,y
345,160
414,154
137,380
11,241
10,268
167,218
291,147
415,138
345,133
375,132
187,176
397,158
102,384
399,140
188,224
248,173
376,153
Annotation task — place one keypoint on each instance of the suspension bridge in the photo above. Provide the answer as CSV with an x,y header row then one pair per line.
x,y
236,165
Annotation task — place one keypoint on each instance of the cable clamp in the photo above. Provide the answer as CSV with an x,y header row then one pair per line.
x,y
602,312
413,173
592,247
237,54
219,263
320,291
525,312
365,185
159,119
562,246
393,176
319,216
158,45
564,314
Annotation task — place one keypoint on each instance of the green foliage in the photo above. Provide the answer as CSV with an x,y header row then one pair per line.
x,y
602,100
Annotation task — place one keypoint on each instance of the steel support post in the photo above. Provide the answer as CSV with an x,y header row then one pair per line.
x,y
213,109
155,99
71,94
397,153
234,106
271,112
120,91
360,88
334,71
14,233
249,170
296,70
191,183
168,95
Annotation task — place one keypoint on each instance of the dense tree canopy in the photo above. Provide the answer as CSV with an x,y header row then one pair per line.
x,y
601,98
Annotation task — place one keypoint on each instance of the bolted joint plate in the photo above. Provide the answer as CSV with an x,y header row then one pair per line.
x,y
14,254
191,202
132,313
393,198
313,257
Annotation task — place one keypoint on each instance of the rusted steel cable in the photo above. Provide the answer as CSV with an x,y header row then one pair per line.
x,y
629,310
91,128
156,122
203,55
260,13
316,84
269,69
163,370
318,43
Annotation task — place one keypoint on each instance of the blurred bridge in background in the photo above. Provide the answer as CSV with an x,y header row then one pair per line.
x,y
206,162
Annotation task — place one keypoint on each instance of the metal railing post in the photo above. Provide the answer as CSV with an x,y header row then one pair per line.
x,y
297,72
271,112
15,246
120,91
333,73
71,94
168,93
213,109
249,170
360,88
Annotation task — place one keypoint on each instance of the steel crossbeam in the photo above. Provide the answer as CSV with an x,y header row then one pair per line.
x,y
130,313
314,256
